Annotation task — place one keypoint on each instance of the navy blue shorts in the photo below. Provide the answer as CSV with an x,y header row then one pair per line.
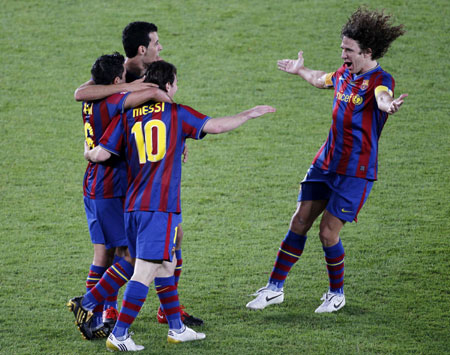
x,y
152,235
105,221
345,194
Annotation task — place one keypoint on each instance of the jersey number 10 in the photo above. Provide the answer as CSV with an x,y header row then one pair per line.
x,y
150,142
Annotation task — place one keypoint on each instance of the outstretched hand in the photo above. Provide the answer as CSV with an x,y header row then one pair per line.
x,y
291,66
395,104
258,111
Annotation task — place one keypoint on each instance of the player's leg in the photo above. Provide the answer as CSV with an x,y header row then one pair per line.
x,y
334,298
313,196
99,262
348,197
290,250
133,300
168,296
187,319
102,259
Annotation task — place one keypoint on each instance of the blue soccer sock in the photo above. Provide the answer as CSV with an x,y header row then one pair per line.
x,y
133,300
94,276
168,297
111,300
290,251
334,257
114,278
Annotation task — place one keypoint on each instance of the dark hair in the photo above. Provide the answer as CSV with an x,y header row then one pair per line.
x,y
372,30
160,73
107,67
136,34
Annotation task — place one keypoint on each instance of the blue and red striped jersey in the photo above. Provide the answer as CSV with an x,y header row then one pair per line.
x,y
352,144
106,180
151,137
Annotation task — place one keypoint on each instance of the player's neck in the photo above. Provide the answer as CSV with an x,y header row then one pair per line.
x,y
135,66
368,67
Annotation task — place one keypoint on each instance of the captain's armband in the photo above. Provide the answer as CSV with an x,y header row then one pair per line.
x,y
328,80
380,88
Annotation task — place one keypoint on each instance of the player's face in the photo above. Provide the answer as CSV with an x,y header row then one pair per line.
x,y
355,60
152,51
172,88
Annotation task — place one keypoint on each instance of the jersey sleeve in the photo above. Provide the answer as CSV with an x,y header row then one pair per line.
x,y
384,82
113,139
116,102
192,122
333,77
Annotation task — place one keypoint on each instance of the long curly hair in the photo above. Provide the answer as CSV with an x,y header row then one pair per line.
x,y
372,30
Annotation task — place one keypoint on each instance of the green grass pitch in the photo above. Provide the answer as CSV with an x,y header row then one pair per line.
x,y
239,189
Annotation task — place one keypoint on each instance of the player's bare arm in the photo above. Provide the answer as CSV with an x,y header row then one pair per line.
x,y
296,67
137,98
96,155
387,103
90,92
228,123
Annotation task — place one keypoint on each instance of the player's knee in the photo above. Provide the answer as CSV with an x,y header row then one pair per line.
x,y
328,237
300,225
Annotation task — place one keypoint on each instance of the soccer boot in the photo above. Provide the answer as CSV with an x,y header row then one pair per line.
x,y
110,316
187,335
265,297
332,302
89,332
81,315
186,318
113,344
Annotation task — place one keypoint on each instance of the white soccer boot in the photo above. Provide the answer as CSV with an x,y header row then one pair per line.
x,y
265,297
332,302
187,335
113,344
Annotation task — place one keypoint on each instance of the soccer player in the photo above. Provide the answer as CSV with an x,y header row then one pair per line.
x,y
345,167
142,47
151,137
104,187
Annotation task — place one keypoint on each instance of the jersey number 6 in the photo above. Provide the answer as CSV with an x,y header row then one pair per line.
x,y
150,142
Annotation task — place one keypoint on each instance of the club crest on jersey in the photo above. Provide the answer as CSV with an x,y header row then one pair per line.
x,y
365,84
355,99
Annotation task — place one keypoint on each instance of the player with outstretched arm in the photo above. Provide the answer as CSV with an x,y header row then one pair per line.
x,y
151,137
345,167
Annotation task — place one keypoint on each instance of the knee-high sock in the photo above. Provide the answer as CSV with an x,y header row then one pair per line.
x,y
168,296
111,300
334,257
113,279
94,276
290,251
133,299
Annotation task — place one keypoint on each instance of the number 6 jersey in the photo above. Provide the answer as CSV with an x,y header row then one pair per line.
x,y
151,138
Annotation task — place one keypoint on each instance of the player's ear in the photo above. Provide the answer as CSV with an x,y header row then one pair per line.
x,y
368,53
116,80
142,50
168,86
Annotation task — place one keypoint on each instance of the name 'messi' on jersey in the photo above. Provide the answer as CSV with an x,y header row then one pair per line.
x,y
146,109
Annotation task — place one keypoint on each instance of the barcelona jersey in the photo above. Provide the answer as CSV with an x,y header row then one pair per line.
x,y
151,137
352,144
107,180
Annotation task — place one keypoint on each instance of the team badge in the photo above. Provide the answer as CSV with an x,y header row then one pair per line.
x,y
365,84
357,100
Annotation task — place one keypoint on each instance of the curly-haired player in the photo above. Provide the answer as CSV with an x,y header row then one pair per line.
x,y
345,167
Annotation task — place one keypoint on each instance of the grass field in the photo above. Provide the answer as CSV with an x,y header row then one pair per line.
x,y
239,189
